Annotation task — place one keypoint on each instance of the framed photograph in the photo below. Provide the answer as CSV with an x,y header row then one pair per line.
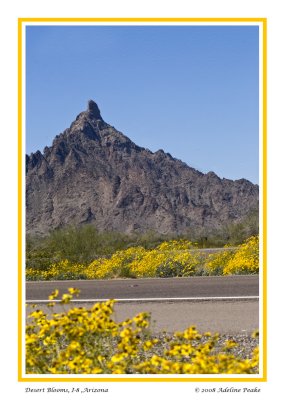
x,y
142,200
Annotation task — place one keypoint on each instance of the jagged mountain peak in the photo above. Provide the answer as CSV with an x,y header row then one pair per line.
x,y
92,169
93,110
91,113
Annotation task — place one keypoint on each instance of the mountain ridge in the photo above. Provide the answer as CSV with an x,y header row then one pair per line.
x,y
92,173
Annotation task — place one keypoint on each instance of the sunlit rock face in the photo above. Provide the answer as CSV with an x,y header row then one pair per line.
x,y
94,174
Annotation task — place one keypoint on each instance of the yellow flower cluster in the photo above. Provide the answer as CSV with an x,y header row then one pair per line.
x,y
169,259
89,341
245,260
216,263
64,269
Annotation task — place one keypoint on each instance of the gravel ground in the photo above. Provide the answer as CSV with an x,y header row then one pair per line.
x,y
245,344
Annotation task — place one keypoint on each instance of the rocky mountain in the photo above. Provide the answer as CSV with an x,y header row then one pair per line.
x,y
94,174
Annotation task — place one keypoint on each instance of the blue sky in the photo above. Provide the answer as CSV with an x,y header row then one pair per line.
x,y
189,90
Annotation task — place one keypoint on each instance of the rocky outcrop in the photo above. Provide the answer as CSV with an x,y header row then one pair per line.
x,y
94,174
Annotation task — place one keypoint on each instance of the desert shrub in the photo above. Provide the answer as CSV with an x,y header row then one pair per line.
x,y
169,259
216,262
246,259
85,243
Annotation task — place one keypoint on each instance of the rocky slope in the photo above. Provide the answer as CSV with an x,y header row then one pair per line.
x,y
94,174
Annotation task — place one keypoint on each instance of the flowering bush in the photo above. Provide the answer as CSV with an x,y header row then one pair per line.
x,y
216,263
169,259
88,341
61,270
246,258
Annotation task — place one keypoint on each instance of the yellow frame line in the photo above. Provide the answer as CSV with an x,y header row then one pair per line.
x,y
142,380
264,196
20,183
20,199
141,19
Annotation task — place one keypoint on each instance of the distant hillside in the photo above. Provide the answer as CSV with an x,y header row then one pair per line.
x,y
94,174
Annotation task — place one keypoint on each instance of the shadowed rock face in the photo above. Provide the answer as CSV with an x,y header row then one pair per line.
x,y
94,174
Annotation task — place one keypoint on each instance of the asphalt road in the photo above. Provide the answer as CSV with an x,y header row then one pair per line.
x,y
229,317
218,304
225,317
151,288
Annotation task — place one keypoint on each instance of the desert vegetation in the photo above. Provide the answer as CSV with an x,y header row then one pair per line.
x,y
89,341
85,243
174,258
